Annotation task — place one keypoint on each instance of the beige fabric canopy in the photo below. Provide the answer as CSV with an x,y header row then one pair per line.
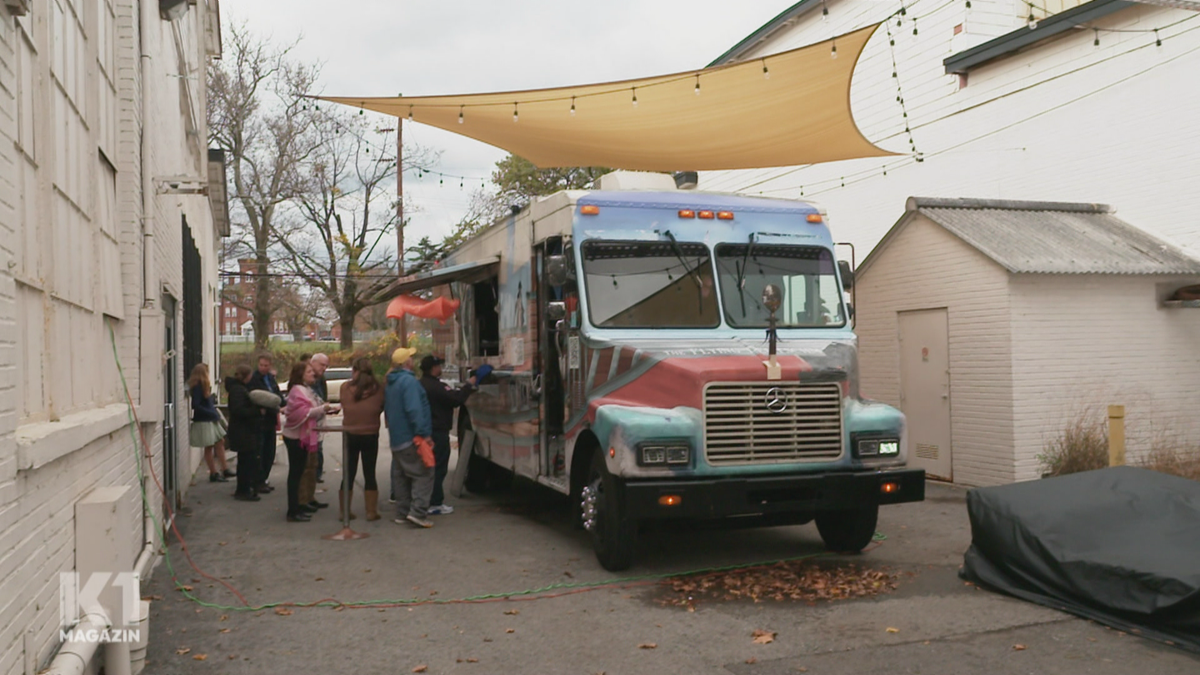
x,y
796,111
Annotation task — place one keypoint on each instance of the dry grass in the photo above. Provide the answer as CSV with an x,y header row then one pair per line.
x,y
1082,446
1175,460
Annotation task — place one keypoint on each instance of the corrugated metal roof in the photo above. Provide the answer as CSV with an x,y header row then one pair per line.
x,y
1054,237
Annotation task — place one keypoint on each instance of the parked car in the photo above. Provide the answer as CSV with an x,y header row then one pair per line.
x,y
334,379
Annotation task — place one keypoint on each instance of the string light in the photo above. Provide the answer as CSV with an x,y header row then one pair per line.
x,y
572,106
516,115
1096,42
410,110
697,84
766,73
460,114
833,49
914,25
1157,39
968,7
824,10
635,97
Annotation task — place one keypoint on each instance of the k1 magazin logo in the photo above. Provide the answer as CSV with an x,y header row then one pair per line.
x,y
108,600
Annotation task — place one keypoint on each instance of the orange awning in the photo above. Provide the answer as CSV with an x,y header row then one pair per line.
x,y
439,308
781,110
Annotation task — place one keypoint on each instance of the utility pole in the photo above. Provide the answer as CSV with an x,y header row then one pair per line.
x,y
402,324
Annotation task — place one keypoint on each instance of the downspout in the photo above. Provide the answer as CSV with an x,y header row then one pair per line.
x,y
149,290
74,656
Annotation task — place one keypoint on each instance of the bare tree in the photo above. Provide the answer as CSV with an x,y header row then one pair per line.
x,y
337,236
258,112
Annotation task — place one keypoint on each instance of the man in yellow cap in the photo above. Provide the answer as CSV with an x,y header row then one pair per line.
x,y
406,409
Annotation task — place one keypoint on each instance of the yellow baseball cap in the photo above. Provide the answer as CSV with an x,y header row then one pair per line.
x,y
402,355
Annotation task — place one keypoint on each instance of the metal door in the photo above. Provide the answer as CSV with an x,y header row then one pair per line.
x,y
925,390
170,462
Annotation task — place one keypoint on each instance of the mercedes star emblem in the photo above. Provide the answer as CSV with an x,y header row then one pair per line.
x,y
776,400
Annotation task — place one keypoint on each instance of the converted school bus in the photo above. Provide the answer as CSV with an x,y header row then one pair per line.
x,y
627,327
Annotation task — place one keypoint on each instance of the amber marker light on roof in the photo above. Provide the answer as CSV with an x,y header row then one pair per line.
x,y
593,210
725,215
707,215
815,218
687,213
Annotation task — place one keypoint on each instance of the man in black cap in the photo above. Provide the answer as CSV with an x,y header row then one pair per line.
x,y
442,402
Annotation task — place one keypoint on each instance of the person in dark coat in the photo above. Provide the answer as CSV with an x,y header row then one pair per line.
x,y
245,433
264,378
442,402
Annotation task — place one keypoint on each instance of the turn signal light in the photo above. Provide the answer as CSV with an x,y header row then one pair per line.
x,y
612,452
725,215
687,213
669,500
889,488
707,215
593,210
812,217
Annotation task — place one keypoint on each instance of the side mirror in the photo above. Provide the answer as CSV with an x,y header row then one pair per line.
x,y
558,272
556,311
847,274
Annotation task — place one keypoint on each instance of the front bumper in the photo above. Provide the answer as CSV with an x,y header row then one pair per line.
x,y
802,495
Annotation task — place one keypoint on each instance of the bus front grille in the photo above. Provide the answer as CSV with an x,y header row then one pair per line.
x,y
772,422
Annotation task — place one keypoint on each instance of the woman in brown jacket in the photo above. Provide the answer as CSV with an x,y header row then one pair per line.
x,y
362,405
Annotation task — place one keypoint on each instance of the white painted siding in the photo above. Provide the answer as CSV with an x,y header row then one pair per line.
x,y
71,251
1088,341
1063,120
925,267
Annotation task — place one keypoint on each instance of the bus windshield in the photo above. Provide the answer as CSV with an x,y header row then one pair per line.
x,y
811,294
660,284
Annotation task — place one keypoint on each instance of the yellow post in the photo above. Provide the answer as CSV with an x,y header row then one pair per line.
x,y
1116,435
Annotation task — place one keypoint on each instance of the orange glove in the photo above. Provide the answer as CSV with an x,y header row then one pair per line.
x,y
425,451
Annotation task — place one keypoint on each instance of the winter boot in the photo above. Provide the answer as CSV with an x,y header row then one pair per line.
x,y
344,502
371,502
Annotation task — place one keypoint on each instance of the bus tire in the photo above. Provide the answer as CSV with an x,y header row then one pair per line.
x,y
602,509
848,530
478,470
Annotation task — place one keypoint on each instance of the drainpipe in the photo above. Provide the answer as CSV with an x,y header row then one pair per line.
x,y
74,656
148,20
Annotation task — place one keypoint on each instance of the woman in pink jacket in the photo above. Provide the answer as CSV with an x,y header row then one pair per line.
x,y
301,415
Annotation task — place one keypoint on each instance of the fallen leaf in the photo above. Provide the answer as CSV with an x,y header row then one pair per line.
x,y
421,668
763,637
226,630
199,610
222,543
366,571
648,645
511,630
152,597
319,579
487,639
183,588
233,657
183,650
751,660
283,611
512,612
224,617
802,669
201,657
569,575
893,630
472,660
1019,648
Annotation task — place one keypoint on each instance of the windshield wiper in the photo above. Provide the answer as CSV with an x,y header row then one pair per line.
x,y
741,282
692,272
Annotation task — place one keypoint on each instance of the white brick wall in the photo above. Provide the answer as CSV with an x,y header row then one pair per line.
x,y
925,267
61,236
1088,341
1061,121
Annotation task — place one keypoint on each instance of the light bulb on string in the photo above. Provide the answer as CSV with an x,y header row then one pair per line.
x,y
572,106
410,110
833,50
1096,42
914,25
824,10
441,182
1157,39
697,84
968,7
766,73
903,10
635,97
460,114
516,116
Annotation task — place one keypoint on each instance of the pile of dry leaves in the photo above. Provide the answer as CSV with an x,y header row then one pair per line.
x,y
796,580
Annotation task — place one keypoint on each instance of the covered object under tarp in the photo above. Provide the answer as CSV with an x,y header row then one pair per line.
x,y
1120,546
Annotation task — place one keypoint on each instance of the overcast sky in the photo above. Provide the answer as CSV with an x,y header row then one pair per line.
x,y
422,47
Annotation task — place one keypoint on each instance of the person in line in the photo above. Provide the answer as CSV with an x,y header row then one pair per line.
x,y
406,408
442,402
206,431
264,378
301,415
362,404
245,425
320,363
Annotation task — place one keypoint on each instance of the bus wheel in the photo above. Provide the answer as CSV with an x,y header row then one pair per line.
x,y
848,530
602,511
478,470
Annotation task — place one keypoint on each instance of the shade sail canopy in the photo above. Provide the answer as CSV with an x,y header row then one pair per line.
x,y
782,110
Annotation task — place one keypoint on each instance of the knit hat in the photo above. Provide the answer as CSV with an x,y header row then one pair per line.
x,y
402,355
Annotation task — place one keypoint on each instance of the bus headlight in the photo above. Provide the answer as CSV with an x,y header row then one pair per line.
x,y
660,454
876,446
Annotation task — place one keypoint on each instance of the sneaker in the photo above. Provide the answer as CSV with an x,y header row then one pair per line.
x,y
246,497
299,518
441,510
214,477
391,500
318,505
419,522
229,474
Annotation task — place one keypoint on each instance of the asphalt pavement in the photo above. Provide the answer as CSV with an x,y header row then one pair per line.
x,y
522,539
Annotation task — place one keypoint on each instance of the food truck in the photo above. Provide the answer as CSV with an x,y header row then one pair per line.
x,y
665,354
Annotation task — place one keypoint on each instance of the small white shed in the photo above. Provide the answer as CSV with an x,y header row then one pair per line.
x,y
992,324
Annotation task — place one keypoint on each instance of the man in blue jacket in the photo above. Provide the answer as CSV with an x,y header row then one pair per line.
x,y
406,410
